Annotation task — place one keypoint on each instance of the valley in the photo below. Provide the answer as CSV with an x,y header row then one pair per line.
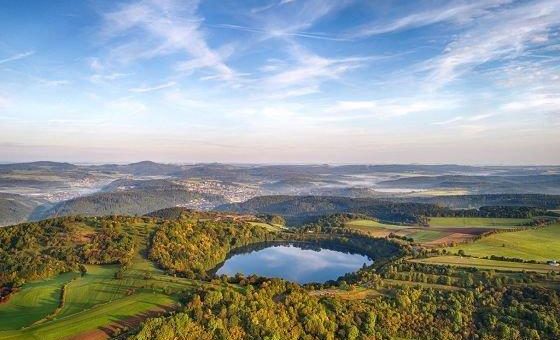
x,y
157,269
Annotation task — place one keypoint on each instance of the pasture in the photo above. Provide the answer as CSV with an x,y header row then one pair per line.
x,y
96,299
33,302
477,222
441,231
540,244
463,261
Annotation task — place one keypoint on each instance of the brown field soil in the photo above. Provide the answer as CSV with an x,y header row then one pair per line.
x,y
356,294
132,322
450,239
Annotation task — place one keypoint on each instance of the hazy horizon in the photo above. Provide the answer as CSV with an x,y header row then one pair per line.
x,y
85,163
281,81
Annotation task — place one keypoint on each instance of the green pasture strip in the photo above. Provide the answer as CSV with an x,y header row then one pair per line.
x,y
375,225
474,222
33,302
99,316
465,262
422,236
540,244
268,226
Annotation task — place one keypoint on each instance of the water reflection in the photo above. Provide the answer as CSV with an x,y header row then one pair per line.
x,y
295,262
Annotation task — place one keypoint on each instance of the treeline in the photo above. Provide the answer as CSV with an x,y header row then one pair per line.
x,y
275,309
494,211
541,201
39,250
298,210
191,247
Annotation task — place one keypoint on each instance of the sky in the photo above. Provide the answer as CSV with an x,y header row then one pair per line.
x,y
280,81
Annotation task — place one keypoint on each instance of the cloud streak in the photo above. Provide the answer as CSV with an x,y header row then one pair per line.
x,y
153,88
456,12
17,57
159,28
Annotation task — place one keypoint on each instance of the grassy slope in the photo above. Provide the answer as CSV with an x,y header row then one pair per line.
x,y
370,224
94,300
537,244
270,227
473,222
486,264
35,301
91,319
440,227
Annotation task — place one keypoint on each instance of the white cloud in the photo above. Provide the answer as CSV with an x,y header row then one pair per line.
x,y
449,121
153,88
306,73
535,103
501,35
100,78
126,106
17,57
392,107
457,12
287,19
157,28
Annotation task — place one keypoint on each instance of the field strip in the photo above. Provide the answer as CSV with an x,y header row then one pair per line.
x,y
486,264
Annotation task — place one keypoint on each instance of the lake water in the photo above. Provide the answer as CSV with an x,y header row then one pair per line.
x,y
300,263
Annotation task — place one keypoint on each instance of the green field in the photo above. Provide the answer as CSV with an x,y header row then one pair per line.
x,y
460,261
371,224
439,229
33,302
102,315
474,222
270,227
91,301
540,244
422,236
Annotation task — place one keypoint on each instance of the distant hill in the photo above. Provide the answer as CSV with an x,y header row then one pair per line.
x,y
16,208
127,184
475,201
41,165
144,168
548,184
128,202
303,209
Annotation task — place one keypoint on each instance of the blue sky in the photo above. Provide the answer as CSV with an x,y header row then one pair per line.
x,y
281,81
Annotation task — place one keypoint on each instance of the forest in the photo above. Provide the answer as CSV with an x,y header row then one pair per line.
x,y
170,255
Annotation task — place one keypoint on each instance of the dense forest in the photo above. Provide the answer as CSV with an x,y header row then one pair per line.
x,y
274,309
32,251
475,201
403,299
127,202
16,208
191,247
308,209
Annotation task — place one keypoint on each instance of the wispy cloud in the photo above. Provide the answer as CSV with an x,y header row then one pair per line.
x,y
99,78
293,19
393,107
153,88
502,35
17,57
126,106
456,12
157,28
535,103
306,72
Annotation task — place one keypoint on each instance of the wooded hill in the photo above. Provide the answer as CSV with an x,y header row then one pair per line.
x,y
305,209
